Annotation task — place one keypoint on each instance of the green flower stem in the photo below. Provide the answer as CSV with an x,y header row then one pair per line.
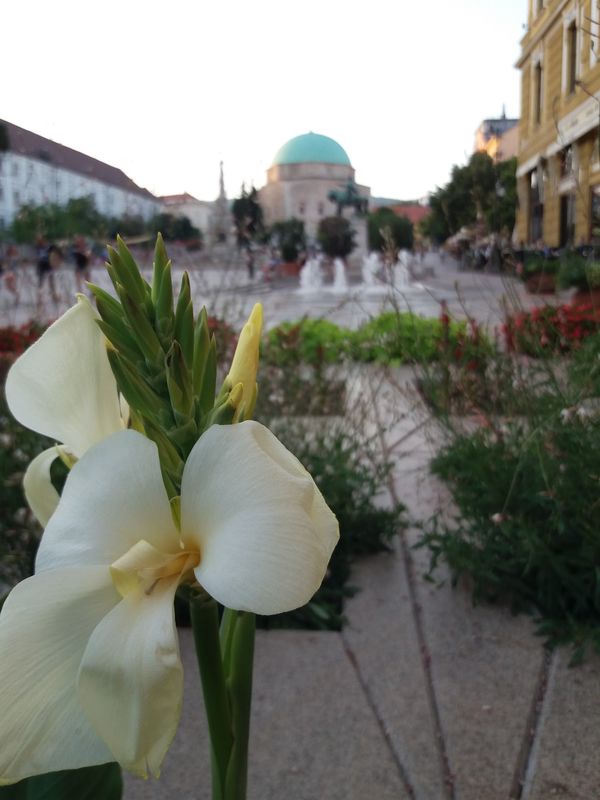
x,y
205,624
239,658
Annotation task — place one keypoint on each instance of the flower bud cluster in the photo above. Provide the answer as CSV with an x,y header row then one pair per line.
x,y
164,360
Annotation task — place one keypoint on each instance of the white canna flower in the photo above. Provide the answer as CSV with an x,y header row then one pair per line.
x,y
63,387
90,669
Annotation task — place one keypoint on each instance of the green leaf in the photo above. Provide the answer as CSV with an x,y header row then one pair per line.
x,y
141,326
90,783
184,320
160,263
208,382
133,388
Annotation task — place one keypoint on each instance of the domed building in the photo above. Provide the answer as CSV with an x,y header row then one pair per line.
x,y
303,173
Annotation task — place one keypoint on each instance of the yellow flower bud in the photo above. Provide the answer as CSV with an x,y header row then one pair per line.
x,y
245,361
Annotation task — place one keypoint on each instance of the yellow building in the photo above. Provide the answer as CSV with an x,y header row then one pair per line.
x,y
559,165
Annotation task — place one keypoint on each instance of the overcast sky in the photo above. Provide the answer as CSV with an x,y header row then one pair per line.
x,y
166,90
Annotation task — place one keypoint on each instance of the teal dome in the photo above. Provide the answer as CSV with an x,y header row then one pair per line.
x,y
311,147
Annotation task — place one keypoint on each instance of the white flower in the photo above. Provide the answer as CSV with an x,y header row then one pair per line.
x,y
90,669
63,387
584,413
566,415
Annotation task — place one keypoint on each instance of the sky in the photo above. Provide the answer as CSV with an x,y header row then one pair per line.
x,y
166,90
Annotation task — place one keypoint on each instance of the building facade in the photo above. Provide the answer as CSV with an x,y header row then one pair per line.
x,y
499,138
559,165
300,178
35,171
198,212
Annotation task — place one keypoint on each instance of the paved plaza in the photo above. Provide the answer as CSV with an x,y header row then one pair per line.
x,y
229,293
422,696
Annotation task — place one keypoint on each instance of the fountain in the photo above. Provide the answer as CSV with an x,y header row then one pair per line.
x,y
311,277
370,267
340,280
400,272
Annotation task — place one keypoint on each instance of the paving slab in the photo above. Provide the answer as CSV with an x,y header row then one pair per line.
x,y
484,663
485,668
382,637
313,732
565,764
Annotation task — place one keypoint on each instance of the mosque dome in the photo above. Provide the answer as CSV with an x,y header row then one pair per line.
x,y
311,148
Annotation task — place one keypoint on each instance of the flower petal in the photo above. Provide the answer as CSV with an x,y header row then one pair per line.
x,y
131,679
113,497
63,387
264,531
39,491
45,625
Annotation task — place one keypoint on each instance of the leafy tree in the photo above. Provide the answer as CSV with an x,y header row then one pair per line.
x,y
173,228
336,237
248,217
289,236
401,229
502,212
78,217
478,191
129,225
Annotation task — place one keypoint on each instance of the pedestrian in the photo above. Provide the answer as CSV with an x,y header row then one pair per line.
x,y
81,256
48,262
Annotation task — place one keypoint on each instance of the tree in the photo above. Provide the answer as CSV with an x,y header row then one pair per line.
x,y
400,228
289,237
78,217
336,237
501,215
479,191
172,228
248,217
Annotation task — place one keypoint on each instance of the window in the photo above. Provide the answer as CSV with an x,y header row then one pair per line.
x,y
595,215
536,208
567,220
571,57
301,209
594,32
537,93
567,165
321,209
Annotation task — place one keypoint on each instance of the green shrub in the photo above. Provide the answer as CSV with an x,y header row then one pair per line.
x,y
390,338
526,489
536,263
312,341
572,271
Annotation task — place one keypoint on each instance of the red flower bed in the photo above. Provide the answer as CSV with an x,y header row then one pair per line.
x,y
13,341
551,329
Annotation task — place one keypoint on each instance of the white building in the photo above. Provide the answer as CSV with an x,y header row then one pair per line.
x,y
35,171
199,212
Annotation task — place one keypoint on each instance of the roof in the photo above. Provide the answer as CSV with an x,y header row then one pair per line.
x,y
32,145
414,212
496,127
311,148
176,199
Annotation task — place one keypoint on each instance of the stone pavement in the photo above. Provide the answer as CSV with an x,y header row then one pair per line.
x,y
228,293
421,697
